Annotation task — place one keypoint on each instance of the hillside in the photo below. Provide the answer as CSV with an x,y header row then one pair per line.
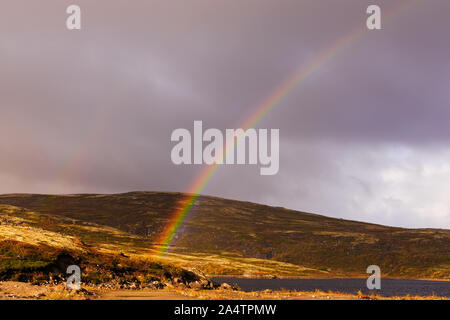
x,y
38,248
232,237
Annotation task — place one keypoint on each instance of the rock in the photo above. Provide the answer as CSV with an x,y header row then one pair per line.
x,y
201,281
196,285
197,272
156,285
181,286
226,286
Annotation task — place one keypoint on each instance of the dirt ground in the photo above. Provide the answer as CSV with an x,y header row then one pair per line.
x,y
19,290
142,295
24,291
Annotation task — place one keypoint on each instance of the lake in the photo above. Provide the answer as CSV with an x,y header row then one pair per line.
x,y
389,287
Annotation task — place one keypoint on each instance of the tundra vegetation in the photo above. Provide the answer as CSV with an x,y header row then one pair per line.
x,y
114,240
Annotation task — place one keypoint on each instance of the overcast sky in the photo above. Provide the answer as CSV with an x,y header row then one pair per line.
x,y
366,137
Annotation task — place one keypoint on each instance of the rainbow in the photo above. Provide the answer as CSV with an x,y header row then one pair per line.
x,y
270,102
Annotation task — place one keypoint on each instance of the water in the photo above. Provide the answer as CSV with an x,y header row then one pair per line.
x,y
389,287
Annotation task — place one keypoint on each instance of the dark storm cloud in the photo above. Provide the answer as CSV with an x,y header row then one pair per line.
x,y
365,137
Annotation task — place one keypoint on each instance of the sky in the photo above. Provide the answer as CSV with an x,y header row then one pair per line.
x,y
365,137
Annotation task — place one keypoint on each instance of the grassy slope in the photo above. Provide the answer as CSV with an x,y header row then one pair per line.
x,y
38,248
225,236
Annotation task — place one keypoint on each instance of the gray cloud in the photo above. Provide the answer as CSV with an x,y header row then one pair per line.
x,y
365,137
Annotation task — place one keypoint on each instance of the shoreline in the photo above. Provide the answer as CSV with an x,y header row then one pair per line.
x,y
319,278
29,291
11,290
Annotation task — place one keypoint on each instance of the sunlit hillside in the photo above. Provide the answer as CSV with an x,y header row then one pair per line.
x,y
223,236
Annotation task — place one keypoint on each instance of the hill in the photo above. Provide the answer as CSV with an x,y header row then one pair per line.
x,y
223,236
